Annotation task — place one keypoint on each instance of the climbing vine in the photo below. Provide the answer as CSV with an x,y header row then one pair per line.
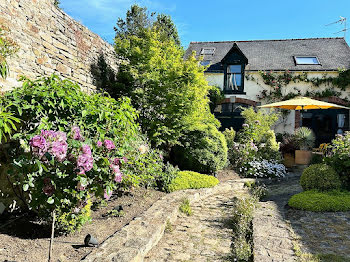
x,y
277,81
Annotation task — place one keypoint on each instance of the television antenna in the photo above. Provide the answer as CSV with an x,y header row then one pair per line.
x,y
342,21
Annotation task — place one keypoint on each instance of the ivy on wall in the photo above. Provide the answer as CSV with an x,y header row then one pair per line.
x,y
277,81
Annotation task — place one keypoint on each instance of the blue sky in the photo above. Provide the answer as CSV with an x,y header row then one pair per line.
x,y
222,20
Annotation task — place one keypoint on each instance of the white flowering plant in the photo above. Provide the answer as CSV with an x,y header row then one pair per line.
x,y
262,168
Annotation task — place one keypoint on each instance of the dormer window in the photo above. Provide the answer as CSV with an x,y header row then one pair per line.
x,y
208,51
306,60
234,64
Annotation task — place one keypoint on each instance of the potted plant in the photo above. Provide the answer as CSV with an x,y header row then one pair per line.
x,y
305,140
287,148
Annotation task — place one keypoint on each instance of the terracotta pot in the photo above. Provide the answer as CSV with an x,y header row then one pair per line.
x,y
289,160
302,157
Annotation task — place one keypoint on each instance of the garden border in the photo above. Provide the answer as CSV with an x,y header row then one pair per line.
x,y
134,241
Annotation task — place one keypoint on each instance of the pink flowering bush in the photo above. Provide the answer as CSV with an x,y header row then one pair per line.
x,y
71,146
66,169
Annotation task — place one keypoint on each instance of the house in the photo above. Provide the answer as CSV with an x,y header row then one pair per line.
x,y
251,73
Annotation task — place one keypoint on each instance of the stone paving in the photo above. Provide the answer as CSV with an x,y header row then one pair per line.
x,y
273,236
278,229
204,236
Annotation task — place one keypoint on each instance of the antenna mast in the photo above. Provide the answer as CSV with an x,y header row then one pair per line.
x,y
342,20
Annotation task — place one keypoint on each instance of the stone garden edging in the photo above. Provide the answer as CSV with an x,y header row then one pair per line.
x,y
135,240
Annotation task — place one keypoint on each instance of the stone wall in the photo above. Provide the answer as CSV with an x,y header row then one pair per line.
x,y
50,41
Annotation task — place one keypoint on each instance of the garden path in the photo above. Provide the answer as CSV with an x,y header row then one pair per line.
x,y
293,235
204,236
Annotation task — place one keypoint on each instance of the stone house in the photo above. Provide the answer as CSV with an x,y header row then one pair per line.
x,y
251,73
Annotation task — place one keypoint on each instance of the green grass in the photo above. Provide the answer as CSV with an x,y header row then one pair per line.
x,y
189,179
185,207
312,200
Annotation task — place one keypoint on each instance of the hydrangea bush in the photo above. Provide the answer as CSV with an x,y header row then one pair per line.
x,y
71,146
61,171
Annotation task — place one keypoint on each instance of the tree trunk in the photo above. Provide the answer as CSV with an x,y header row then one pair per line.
x,y
52,234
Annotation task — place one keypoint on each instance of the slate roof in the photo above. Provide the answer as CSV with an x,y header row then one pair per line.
x,y
333,53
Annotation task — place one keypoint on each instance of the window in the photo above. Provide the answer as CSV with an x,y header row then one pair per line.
x,y
205,62
306,60
208,51
234,78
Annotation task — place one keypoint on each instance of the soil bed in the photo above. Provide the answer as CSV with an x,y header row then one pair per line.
x,y
24,239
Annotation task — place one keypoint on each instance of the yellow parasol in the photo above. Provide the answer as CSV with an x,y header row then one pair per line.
x,y
303,103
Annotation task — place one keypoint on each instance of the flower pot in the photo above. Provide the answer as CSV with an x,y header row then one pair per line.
x,y
289,160
302,157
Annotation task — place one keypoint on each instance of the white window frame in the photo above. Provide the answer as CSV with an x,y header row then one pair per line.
x,y
208,51
296,60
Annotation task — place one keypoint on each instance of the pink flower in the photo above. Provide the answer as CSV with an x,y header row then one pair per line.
x,y
85,163
49,134
99,143
39,142
61,136
125,159
116,161
118,177
106,195
86,149
109,144
76,133
115,168
59,150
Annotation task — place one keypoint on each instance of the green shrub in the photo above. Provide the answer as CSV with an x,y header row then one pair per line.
x,y
320,177
68,222
242,247
230,135
164,179
256,125
337,156
312,200
143,167
194,180
316,159
203,149
185,207
256,189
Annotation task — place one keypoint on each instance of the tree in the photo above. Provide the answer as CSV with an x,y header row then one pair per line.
x,y
169,92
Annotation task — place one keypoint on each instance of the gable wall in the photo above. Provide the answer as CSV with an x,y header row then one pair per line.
x,y
50,41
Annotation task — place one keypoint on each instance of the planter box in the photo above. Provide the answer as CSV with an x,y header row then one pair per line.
x,y
302,157
289,160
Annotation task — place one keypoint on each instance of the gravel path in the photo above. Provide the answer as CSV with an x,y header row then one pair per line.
x,y
204,236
